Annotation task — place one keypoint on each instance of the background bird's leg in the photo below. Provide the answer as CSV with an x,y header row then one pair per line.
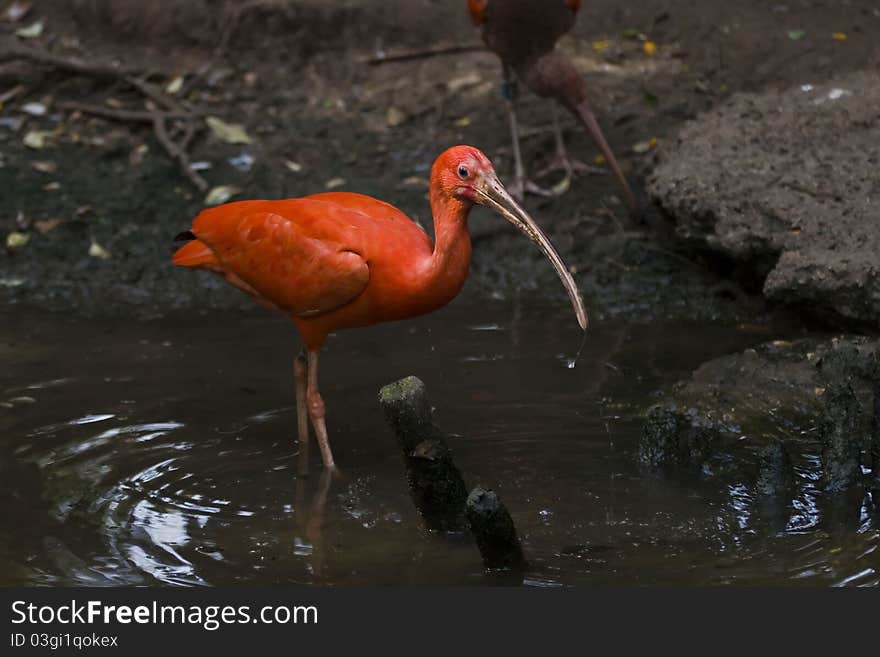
x,y
316,411
521,185
563,161
300,379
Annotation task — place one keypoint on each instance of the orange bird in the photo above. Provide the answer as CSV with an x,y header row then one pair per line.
x,y
523,33
340,260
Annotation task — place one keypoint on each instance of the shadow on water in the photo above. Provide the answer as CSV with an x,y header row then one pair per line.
x,y
164,453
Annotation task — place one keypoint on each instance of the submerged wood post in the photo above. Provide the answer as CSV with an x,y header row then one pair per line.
x,y
437,487
494,530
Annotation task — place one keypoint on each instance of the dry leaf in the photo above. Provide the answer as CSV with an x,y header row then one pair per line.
x,y
296,167
221,194
47,225
37,139
34,109
11,281
562,186
334,183
16,240
839,36
98,251
231,133
463,81
644,146
32,31
463,122
394,117
46,166
174,86
650,48
52,186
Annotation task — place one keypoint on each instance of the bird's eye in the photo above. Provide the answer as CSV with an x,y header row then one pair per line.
x,y
463,172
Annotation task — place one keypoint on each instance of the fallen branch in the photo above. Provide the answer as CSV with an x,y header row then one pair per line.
x,y
71,64
171,109
177,152
409,55
125,115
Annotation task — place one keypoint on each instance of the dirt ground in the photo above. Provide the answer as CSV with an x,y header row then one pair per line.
x,y
94,209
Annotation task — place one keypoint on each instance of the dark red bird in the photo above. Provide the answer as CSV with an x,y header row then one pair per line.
x,y
523,33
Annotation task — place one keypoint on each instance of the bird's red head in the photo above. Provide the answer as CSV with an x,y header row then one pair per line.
x,y
461,171
464,173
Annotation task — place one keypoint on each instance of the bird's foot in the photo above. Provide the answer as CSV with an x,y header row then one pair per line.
x,y
570,167
523,186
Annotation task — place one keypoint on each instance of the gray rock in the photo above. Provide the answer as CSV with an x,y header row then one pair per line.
x,y
786,185
742,416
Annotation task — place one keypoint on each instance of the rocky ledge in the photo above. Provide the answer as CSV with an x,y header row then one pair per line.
x,y
785,187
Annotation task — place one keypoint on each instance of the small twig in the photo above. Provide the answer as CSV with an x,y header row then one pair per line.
x,y
609,212
6,96
408,55
130,116
177,153
12,51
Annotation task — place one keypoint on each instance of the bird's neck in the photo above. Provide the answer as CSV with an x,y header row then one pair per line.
x,y
448,267
553,75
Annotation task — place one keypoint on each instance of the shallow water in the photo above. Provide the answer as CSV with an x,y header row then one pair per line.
x,y
164,453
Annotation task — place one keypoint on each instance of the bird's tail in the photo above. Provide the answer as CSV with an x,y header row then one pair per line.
x,y
194,254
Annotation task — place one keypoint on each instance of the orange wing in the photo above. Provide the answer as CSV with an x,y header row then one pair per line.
x,y
478,10
299,255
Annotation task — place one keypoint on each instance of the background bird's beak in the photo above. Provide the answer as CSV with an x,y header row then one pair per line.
x,y
493,195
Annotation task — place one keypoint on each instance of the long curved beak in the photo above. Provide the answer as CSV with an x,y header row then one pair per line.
x,y
496,197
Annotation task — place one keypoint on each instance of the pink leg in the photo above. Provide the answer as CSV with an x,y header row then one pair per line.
x,y
300,377
521,183
317,412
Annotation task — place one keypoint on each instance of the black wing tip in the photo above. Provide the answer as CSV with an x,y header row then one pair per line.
x,y
184,236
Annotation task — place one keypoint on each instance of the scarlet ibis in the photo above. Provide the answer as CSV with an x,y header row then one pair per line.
x,y
340,260
523,33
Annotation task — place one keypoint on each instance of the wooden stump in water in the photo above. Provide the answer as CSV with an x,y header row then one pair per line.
x,y
494,530
437,487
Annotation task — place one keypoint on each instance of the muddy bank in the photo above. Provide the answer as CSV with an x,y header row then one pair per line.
x,y
784,185
293,75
